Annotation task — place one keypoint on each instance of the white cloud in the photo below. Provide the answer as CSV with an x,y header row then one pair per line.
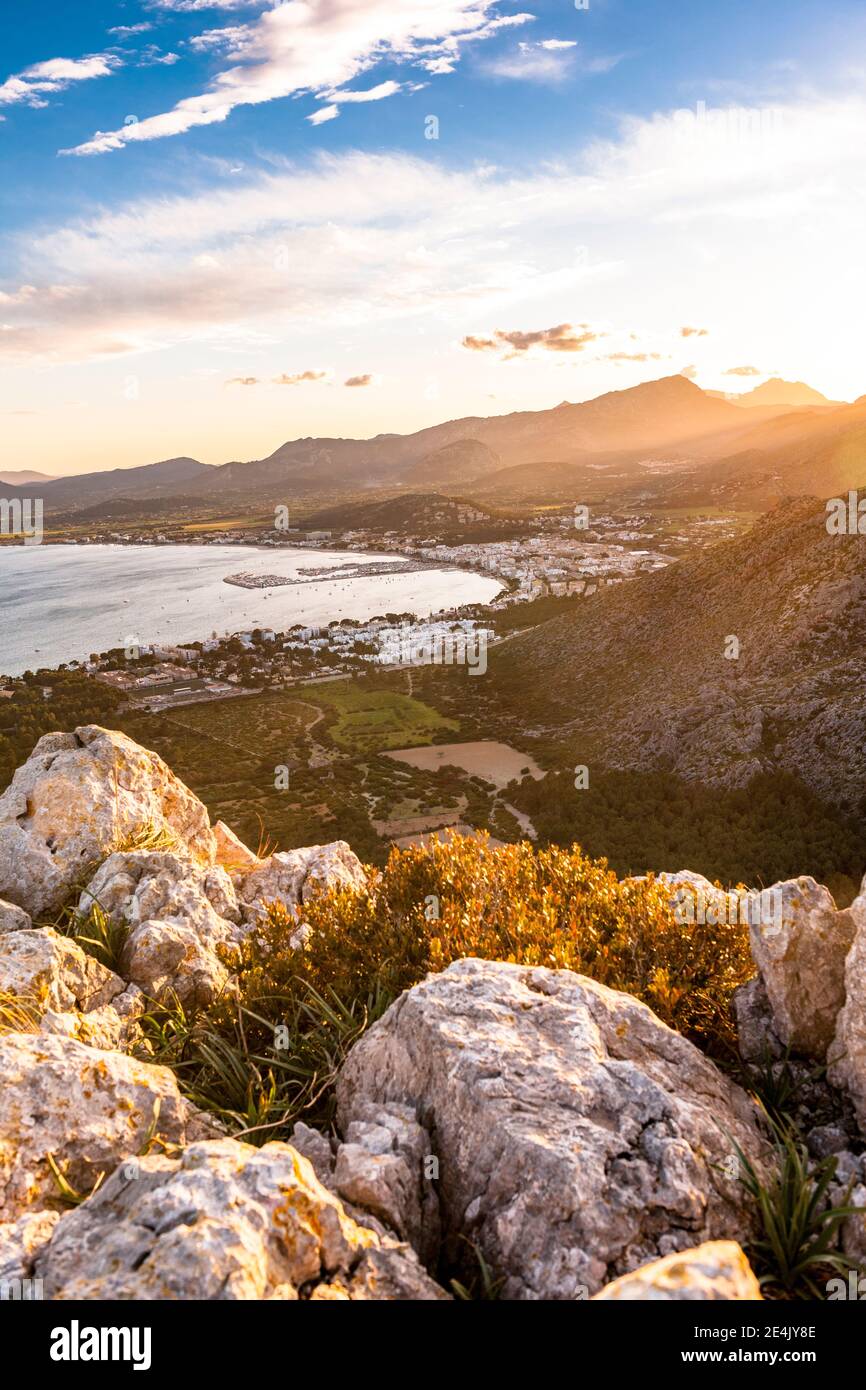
x,y
125,31
555,44
35,83
194,6
533,62
317,46
153,56
324,114
338,99
748,222
230,37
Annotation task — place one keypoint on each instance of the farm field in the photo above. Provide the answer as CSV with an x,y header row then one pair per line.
x,y
377,720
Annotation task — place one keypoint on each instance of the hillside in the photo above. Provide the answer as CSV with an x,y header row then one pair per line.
x,y
637,677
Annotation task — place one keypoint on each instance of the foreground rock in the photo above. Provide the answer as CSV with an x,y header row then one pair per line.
x,y
717,1270
47,971
13,918
20,1243
227,1221
577,1136
176,912
847,1054
295,876
86,1109
231,853
800,946
76,798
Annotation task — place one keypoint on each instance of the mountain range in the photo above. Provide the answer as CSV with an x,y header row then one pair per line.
x,y
665,441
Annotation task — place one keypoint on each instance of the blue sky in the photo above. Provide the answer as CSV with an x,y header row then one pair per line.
x,y
190,264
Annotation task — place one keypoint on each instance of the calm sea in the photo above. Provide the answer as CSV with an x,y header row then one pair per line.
x,y
62,602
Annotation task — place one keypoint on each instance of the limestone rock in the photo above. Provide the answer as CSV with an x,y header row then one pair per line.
x,y
50,971
231,853
86,1108
78,796
13,918
178,913
226,1221
756,1036
382,1168
316,1148
578,1137
717,1270
113,1027
847,1054
294,876
800,950
20,1243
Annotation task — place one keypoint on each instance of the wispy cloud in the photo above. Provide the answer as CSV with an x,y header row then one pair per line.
x,y
743,371
36,83
298,378
126,31
367,379
354,237
548,61
316,46
562,338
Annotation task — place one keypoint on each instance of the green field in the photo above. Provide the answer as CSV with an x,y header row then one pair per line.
x,y
379,720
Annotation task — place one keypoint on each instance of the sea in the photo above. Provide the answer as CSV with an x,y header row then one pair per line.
x,y
59,603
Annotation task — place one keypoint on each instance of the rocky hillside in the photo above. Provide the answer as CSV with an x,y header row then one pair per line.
x,y
556,1126
638,677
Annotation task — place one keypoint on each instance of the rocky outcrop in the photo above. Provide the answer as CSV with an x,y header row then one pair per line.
x,y
577,1136
48,971
84,1109
847,1054
717,1270
800,946
177,914
296,875
76,798
225,1221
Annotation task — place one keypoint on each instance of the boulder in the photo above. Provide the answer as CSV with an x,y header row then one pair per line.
x,y
177,913
76,798
231,853
225,1221
295,876
847,1053
48,971
577,1136
800,948
717,1270
85,1108
13,918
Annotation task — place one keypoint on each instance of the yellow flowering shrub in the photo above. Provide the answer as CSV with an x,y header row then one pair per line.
x,y
463,897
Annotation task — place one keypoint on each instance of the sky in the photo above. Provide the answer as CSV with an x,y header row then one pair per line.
x,y
226,225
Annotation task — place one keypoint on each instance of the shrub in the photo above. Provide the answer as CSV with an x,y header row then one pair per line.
x,y
462,897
